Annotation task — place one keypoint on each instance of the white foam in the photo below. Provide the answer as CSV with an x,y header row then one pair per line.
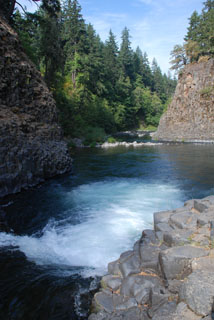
x,y
113,215
128,144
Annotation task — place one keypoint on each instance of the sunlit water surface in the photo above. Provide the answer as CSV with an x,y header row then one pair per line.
x,y
66,231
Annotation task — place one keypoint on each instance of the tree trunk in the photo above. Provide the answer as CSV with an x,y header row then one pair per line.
x,y
11,8
73,77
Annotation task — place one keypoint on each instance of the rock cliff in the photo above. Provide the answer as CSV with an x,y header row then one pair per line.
x,y
190,116
31,146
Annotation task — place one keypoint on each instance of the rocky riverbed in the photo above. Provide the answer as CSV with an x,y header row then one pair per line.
x,y
169,273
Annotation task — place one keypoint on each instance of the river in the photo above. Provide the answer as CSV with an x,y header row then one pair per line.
x,y
64,232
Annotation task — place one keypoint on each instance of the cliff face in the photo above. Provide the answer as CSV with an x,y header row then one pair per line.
x,y
31,146
191,114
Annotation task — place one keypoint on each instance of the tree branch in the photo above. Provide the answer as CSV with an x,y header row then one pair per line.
x,y
21,7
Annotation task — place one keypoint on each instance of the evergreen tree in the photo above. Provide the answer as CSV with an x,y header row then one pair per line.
x,y
50,46
74,36
178,57
93,64
7,7
27,29
193,29
157,79
142,67
126,55
97,87
111,66
208,5
146,71
206,39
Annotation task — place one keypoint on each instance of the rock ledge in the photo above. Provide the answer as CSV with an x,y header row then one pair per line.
x,y
169,273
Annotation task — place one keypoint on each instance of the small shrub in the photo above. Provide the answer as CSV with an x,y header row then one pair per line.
x,y
94,135
148,128
207,91
93,145
111,140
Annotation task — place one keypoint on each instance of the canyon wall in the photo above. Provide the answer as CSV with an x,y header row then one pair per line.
x,y
190,116
31,145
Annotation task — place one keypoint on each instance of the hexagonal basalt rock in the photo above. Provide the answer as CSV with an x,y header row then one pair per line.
x,y
197,291
175,262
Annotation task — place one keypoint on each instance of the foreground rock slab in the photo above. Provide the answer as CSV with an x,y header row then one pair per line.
x,y
169,273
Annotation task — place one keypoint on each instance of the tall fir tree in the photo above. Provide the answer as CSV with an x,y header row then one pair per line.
x,y
111,65
126,55
193,29
74,33
50,49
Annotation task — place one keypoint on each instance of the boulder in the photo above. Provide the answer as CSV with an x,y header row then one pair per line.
x,y
183,312
139,287
165,312
103,301
203,263
199,206
163,227
175,263
148,237
149,256
158,298
113,268
178,237
197,291
184,220
111,281
206,217
161,217
130,265
123,303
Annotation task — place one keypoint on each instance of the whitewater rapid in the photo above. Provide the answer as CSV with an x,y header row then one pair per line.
x,y
111,216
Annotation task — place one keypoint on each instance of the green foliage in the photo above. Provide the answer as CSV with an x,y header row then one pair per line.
x,y
178,57
111,140
49,42
147,128
149,106
93,135
166,105
207,91
126,55
199,40
26,28
99,88
7,7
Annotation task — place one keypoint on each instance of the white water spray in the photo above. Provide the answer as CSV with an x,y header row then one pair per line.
x,y
112,215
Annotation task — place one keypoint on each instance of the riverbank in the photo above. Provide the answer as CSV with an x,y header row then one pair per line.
x,y
169,273
138,140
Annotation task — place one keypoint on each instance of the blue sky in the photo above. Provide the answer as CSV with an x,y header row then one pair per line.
x,y
155,25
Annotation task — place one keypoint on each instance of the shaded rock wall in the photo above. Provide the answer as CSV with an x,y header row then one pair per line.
x,y
31,145
191,113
